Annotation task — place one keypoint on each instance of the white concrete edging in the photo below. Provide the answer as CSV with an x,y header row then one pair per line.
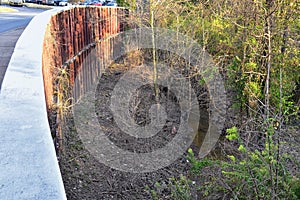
x,y
28,163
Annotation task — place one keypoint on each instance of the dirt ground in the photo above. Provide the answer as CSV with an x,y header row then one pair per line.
x,y
86,178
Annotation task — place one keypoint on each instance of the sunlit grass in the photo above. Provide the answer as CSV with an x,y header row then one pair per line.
x,y
39,6
7,9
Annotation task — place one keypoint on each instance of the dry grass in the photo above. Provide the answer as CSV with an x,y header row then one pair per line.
x,y
39,6
7,9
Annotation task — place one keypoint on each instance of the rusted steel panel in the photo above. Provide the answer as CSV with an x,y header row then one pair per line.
x,y
67,39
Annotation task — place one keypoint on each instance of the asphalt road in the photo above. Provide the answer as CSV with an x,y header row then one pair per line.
x,y
15,20
11,27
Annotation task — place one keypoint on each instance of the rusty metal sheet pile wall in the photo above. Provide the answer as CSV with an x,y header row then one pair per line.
x,y
80,38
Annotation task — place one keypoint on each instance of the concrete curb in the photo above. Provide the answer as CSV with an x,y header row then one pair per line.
x,y
28,163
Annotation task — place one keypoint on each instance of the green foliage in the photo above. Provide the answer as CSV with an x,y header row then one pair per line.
x,y
127,4
295,189
236,34
238,41
152,192
180,189
258,174
197,164
232,133
252,174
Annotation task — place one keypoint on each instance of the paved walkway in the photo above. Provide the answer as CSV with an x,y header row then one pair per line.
x,y
8,41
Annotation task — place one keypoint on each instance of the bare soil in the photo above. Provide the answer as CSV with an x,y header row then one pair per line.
x,y
86,178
